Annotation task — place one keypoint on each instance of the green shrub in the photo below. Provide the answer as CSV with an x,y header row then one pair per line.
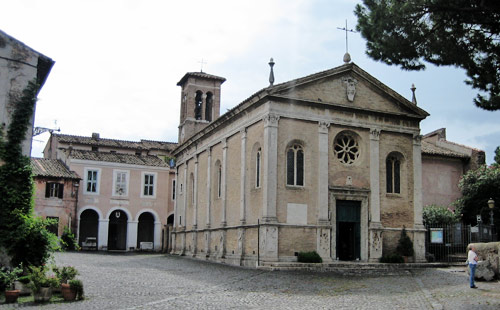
x,y
309,257
405,245
66,273
38,279
68,240
392,259
438,215
34,244
7,277
77,285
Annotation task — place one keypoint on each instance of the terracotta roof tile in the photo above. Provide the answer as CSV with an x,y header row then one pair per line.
x,y
142,145
51,168
147,160
429,148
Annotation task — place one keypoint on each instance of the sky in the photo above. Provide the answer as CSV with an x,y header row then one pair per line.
x,y
117,62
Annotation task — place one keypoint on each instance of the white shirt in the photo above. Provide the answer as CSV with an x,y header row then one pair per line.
x,y
472,257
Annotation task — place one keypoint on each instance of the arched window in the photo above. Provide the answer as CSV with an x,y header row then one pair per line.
x,y
208,106
257,168
191,179
295,165
218,171
393,173
198,101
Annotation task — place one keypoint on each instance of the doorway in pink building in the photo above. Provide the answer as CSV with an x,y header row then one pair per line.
x,y
145,231
89,225
117,233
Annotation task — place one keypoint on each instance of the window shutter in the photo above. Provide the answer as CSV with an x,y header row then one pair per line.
x,y
60,190
47,190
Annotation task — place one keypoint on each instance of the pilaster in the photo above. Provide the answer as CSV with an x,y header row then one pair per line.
x,y
269,243
103,234
323,172
419,233
132,234
195,194
185,196
270,164
374,175
223,183
157,236
209,187
243,161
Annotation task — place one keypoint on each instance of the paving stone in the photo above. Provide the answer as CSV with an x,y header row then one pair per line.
x,y
156,281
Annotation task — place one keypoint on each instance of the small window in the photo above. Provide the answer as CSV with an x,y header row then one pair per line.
x,y
54,227
295,166
95,149
120,183
149,180
54,190
173,189
393,174
91,181
257,168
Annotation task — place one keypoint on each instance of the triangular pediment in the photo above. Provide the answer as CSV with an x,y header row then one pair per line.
x,y
348,86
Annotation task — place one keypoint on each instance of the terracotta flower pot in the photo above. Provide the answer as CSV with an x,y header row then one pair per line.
x,y
67,293
43,295
11,296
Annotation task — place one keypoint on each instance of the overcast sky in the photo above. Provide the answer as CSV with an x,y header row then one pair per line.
x,y
118,62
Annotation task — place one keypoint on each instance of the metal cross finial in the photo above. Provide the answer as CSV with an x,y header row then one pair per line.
x,y
202,63
347,57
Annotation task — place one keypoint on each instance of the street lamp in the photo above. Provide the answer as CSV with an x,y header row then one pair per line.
x,y
491,205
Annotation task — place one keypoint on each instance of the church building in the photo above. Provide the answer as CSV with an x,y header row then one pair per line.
x,y
330,162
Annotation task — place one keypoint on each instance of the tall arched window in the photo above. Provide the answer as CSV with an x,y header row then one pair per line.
x,y
218,171
393,173
208,106
198,101
295,165
257,168
191,179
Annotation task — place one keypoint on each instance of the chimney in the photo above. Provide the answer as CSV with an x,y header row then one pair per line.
x,y
95,135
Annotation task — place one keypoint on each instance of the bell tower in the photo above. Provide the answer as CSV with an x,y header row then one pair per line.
x,y
200,102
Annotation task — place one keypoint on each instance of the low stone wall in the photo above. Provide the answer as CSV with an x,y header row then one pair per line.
x,y
489,260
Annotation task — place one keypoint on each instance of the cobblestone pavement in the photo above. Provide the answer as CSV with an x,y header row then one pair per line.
x,y
155,281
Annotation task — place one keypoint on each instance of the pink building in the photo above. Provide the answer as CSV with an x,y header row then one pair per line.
x,y
125,200
443,165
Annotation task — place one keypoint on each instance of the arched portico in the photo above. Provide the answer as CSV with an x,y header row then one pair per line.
x,y
148,227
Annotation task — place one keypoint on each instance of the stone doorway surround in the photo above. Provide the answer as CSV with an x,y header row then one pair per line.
x,y
353,194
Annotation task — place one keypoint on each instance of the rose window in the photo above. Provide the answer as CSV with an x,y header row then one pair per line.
x,y
346,149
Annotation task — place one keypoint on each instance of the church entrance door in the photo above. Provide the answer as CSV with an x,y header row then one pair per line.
x,y
348,229
117,233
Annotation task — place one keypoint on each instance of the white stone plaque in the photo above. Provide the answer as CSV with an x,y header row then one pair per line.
x,y
296,214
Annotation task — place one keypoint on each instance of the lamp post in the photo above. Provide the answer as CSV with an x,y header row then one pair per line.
x,y
491,205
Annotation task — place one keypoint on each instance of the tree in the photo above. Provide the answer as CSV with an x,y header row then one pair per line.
x,y
438,215
497,156
461,33
477,187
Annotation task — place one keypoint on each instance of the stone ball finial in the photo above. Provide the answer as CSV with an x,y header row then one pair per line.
x,y
347,58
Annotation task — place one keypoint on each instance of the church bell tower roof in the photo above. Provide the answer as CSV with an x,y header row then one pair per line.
x,y
200,75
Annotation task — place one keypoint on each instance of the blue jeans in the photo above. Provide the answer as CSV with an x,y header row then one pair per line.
x,y
472,274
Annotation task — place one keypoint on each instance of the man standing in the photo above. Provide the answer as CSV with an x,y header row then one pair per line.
x,y
472,259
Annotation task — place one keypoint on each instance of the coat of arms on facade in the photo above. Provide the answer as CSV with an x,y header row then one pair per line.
x,y
350,87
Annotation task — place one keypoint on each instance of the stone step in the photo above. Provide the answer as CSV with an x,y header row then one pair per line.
x,y
354,267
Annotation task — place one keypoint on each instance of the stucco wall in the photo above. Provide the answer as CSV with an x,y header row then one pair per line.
x,y
440,177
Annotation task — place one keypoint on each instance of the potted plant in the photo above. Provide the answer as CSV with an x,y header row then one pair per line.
x,y
76,286
40,284
65,274
8,278
22,285
405,246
